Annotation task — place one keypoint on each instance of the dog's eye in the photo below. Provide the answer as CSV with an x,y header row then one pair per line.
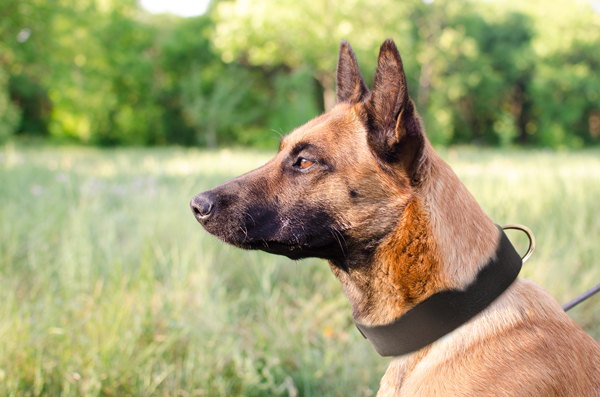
x,y
304,163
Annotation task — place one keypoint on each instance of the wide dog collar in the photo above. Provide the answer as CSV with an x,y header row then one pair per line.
x,y
445,311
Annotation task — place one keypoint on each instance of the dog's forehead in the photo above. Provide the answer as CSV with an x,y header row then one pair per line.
x,y
339,126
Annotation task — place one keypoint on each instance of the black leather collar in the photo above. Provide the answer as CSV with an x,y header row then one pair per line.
x,y
445,311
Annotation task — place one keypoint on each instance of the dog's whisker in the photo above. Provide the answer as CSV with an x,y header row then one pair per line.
x,y
244,230
247,214
280,133
339,237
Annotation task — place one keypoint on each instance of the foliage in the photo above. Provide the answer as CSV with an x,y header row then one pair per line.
x,y
108,73
9,112
275,32
567,80
109,287
473,66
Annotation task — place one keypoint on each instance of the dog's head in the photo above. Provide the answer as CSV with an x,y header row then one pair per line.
x,y
339,184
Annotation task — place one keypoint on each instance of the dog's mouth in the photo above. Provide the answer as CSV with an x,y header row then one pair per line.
x,y
292,251
302,233
310,247
325,244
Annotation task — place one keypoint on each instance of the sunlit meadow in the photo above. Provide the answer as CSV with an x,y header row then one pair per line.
x,y
109,287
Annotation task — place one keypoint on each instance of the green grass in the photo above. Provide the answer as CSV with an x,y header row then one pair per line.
x,y
108,286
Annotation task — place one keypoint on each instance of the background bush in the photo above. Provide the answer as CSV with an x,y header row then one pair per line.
x,y
108,73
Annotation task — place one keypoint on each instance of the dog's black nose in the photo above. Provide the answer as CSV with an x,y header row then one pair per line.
x,y
202,206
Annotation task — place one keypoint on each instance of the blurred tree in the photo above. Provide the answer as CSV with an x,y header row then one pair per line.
x,y
566,83
32,99
25,49
9,112
104,87
184,48
476,66
295,100
208,100
474,71
106,72
275,32
212,104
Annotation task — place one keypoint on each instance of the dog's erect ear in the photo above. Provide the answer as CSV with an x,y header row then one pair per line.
x,y
395,131
351,87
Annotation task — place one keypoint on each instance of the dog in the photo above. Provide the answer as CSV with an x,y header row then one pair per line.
x,y
362,187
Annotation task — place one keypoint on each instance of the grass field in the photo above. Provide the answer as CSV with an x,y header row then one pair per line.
x,y
109,287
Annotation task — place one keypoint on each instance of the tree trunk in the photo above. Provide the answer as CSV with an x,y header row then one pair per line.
x,y
211,137
327,83
424,85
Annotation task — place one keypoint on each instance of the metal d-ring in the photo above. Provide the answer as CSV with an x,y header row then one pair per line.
x,y
529,234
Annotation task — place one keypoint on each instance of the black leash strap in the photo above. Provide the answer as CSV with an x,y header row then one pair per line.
x,y
445,311
587,294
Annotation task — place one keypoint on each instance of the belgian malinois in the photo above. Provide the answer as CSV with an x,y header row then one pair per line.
x,y
362,187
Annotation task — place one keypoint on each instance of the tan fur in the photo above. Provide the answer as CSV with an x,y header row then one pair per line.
x,y
407,228
522,345
405,271
466,237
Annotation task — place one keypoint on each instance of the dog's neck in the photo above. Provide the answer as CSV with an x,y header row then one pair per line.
x,y
442,240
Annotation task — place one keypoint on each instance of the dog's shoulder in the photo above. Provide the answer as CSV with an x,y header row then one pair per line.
x,y
522,342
